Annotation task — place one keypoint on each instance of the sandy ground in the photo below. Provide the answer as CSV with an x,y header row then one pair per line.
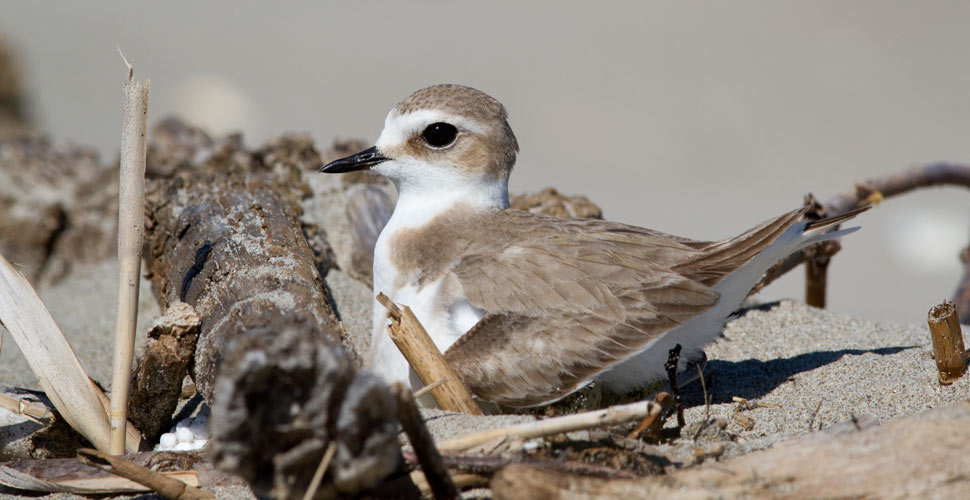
x,y
820,369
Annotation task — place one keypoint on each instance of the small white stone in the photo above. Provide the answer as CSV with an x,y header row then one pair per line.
x,y
184,435
167,441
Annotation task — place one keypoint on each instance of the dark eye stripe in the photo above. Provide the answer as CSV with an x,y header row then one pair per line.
x,y
440,134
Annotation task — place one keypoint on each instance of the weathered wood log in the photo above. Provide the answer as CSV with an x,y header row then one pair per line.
x,y
157,381
70,475
282,397
912,457
168,487
224,236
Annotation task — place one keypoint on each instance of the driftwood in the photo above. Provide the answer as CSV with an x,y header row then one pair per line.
x,y
224,236
58,206
69,475
282,397
168,487
30,428
951,356
917,457
157,381
870,192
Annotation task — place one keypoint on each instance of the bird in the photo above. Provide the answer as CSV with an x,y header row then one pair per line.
x,y
528,308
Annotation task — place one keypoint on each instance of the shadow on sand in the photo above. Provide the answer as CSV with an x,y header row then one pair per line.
x,y
753,378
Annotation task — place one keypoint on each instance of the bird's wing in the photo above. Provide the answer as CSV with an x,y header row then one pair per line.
x,y
574,297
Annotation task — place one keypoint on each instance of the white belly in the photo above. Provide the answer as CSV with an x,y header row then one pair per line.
x,y
445,320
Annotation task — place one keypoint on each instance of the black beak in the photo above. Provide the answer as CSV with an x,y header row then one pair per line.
x,y
360,161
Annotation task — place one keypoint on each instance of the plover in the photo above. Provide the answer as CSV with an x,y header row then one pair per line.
x,y
529,308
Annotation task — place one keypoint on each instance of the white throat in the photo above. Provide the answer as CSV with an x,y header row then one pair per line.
x,y
421,198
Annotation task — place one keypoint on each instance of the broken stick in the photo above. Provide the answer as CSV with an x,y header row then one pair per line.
x,y
613,415
426,360
951,357
165,486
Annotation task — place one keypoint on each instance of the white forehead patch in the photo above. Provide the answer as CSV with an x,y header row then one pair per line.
x,y
399,128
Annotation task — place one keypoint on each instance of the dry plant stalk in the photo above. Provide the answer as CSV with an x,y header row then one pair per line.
x,y
164,485
426,360
460,481
28,409
51,358
613,415
131,233
318,474
132,435
951,356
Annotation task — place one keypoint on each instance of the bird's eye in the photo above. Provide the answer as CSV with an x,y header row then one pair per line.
x,y
440,134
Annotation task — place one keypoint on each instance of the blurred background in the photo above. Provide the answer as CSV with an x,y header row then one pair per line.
x,y
694,118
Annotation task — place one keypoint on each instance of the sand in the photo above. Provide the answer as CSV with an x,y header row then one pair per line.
x,y
821,369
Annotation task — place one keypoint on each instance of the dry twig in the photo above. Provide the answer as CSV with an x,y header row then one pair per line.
x,y
951,357
321,471
610,416
426,360
165,486
131,232
655,421
747,404
870,192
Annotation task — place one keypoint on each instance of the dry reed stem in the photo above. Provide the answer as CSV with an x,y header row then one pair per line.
x,y
132,435
33,411
165,486
426,360
613,415
50,357
321,471
951,356
426,389
131,233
